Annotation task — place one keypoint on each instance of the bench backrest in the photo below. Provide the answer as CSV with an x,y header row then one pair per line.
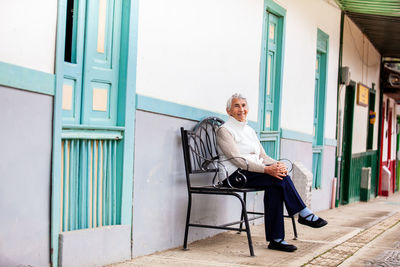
x,y
200,146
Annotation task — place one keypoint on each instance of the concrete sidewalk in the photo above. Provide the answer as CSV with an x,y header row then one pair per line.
x,y
360,234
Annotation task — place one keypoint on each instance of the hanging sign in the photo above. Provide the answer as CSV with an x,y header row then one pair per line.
x,y
372,115
362,95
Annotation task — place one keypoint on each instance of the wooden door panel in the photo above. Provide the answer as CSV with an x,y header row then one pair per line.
x,y
101,66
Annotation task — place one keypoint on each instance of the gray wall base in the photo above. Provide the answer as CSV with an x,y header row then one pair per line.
x,y
321,198
95,247
302,152
160,194
297,151
25,164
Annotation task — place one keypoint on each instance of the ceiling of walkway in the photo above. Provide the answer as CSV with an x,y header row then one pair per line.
x,y
379,20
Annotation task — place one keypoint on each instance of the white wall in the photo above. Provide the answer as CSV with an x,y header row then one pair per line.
x,y
198,53
28,33
364,61
303,19
386,133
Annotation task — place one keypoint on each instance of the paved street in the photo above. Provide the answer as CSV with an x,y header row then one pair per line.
x,y
360,234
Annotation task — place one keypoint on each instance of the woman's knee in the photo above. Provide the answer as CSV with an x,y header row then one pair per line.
x,y
286,180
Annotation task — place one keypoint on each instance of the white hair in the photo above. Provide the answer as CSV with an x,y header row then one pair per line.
x,y
236,95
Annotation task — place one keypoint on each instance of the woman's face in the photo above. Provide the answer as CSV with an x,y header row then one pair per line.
x,y
238,109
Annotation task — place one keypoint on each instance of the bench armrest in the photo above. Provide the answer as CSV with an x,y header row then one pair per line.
x,y
218,165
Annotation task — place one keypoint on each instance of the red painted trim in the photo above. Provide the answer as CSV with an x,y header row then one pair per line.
x,y
391,165
392,169
384,192
389,136
381,152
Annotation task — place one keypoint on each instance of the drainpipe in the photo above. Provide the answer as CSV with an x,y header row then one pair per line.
x,y
338,117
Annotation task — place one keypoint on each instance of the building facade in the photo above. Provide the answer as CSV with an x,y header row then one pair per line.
x,y
91,158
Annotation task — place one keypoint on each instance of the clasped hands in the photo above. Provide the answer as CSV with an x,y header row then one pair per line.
x,y
277,170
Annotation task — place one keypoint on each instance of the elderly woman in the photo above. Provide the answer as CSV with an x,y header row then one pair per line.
x,y
236,140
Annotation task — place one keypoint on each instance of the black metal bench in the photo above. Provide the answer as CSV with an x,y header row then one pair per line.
x,y
201,157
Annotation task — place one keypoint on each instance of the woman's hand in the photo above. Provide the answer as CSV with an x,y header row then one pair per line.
x,y
277,170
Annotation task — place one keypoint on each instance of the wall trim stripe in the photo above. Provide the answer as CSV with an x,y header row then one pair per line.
x,y
27,79
156,105
303,137
294,135
330,142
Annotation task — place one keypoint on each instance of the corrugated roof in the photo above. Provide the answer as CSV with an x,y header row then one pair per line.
x,y
379,20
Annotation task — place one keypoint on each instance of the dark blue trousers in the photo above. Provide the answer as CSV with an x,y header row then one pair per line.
x,y
276,192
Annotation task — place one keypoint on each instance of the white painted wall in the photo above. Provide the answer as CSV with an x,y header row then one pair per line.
x,y
198,53
386,134
364,61
303,19
28,33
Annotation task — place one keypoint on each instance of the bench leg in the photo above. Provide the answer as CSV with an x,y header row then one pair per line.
x,y
294,228
242,215
246,222
187,222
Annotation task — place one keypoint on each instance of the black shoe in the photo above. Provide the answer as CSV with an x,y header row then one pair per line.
x,y
314,224
282,247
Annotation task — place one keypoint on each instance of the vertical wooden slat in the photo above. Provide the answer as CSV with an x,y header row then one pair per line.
x,y
109,184
114,183
104,191
67,150
77,184
87,183
90,187
81,184
95,185
100,184
84,190
62,187
71,186
105,173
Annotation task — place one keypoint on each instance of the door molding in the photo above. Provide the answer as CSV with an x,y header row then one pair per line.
x,y
272,140
347,142
127,76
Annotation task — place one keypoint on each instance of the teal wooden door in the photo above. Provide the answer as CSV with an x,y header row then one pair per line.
x,y
92,136
270,93
101,62
316,97
318,118
317,133
268,120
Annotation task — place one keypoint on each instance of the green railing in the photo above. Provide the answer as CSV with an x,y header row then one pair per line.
x,y
90,196
358,161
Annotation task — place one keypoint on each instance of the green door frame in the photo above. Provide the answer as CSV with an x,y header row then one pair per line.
x,y
319,105
347,142
371,107
127,98
270,138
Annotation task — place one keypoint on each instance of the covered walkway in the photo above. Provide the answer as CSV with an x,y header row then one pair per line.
x,y
359,234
